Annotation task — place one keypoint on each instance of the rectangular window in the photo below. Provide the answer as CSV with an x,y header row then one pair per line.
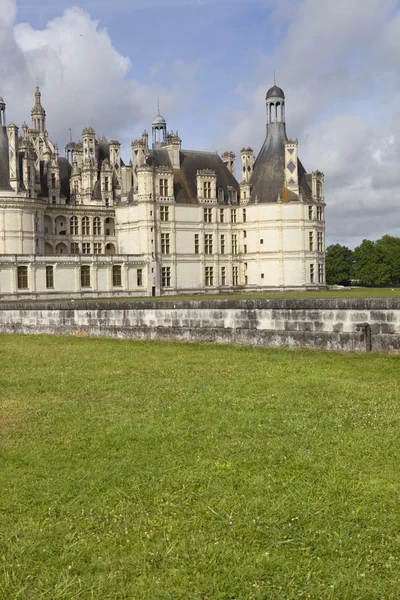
x,y
221,215
245,249
207,215
165,247
207,189
310,212
164,212
320,241
74,248
85,276
96,226
53,199
234,196
166,276
234,243
163,187
319,213
223,275
312,274
106,184
86,248
22,278
310,241
235,275
53,180
85,226
117,275
97,248
245,234
208,243
233,215
139,277
196,243
49,277
222,244
320,273
209,276
244,216
29,175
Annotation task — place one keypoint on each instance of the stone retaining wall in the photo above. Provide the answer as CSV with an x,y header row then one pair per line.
x,y
313,323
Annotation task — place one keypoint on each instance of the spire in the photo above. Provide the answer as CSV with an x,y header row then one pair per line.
x,y
4,155
38,113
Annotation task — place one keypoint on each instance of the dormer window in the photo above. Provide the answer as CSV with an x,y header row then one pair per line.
x,y
207,189
220,194
163,187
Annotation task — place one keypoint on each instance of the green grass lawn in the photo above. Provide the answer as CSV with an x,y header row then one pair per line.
x,y
156,471
357,292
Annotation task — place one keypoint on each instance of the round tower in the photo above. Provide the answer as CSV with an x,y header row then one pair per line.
x,y
38,113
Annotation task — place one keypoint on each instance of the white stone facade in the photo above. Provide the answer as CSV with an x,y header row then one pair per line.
x,y
171,221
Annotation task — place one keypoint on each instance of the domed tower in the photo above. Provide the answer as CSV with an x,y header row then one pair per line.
x,y
38,113
4,158
268,175
159,129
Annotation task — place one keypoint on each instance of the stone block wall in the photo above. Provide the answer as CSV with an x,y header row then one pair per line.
x,y
313,323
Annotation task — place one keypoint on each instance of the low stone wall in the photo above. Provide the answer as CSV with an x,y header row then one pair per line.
x,y
313,323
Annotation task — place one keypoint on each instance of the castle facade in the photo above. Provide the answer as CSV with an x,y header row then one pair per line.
x,y
171,221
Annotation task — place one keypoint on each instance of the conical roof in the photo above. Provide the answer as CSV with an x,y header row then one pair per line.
x,y
269,168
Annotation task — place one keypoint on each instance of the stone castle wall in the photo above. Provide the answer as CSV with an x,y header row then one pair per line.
x,y
312,323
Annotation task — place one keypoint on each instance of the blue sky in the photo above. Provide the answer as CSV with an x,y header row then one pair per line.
x,y
210,62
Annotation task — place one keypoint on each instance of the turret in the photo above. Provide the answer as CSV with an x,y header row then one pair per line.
x,y
159,129
38,114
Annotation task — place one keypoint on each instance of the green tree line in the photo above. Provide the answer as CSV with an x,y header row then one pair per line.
x,y
371,263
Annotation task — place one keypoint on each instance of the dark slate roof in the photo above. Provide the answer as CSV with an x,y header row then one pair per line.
x,y
274,92
185,179
269,169
65,174
4,164
268,173
102,151
97,191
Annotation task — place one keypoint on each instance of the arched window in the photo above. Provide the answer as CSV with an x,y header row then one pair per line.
x,y
97,226
85,226
73,225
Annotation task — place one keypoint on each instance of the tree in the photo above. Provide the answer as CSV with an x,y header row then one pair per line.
x,y
370,266
339,265
389,247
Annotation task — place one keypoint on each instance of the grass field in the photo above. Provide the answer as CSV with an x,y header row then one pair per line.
x,y
156,471
356,292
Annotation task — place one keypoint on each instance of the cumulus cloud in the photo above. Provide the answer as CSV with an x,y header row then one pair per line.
x,y
84,80
337,63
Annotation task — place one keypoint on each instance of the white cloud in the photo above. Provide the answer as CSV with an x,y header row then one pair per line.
x,y
84,80
337,63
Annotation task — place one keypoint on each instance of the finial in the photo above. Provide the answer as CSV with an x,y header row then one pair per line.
x,y
274,78
70,134
158,105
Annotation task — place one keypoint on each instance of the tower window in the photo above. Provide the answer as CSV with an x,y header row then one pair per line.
x,y
321,273
117,275
96,226
233,215
310,212
163,187
208,243
49,277
222,244
221,215
234,243
85,276
139,277
166,276
85,226
311,241
312,274
73,225
209,276
22,273
235,275
164,212
223,275
207,215
320,241
244,213
196,243
165,245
